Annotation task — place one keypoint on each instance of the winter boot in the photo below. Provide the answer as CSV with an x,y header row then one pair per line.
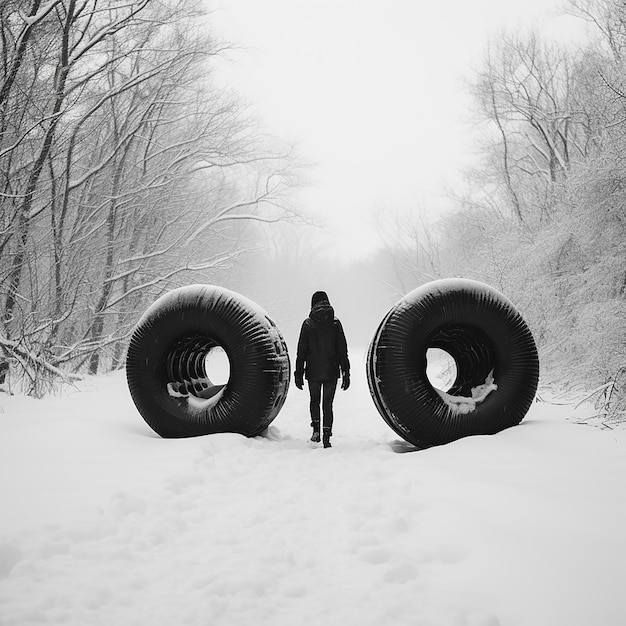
x,y
316,432
326,438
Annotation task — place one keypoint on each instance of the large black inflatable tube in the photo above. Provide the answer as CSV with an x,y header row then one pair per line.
x,y
494,353
165,364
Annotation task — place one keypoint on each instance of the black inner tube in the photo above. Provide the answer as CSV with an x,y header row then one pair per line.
x,y
166,364
497,366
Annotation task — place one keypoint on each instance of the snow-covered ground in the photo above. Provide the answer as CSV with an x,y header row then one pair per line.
x,y
103,522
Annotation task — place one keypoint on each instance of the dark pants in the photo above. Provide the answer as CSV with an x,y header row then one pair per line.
x,y
328,387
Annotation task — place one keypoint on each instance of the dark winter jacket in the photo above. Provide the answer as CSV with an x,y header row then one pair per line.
x,y
322,347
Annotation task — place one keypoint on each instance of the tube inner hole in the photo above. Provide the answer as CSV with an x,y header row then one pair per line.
x,y
217,366
473,354
440,368
197,366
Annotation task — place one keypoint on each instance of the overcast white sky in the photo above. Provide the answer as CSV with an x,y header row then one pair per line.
x,y
371,91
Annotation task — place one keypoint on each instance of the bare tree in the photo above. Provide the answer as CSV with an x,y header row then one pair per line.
x,y
526,89
124,172
412,249
553,173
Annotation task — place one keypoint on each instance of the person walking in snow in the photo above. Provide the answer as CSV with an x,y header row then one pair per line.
x,y
321,358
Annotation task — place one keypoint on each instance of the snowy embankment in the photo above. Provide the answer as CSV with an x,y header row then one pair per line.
x,y
105,523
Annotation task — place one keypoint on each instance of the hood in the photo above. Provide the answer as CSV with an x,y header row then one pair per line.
x,y
319,296
322,312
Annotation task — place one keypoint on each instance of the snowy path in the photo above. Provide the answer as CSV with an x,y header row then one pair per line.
x,y
104,523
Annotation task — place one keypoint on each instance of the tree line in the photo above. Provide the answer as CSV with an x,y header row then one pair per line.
x,y
543,214
124,171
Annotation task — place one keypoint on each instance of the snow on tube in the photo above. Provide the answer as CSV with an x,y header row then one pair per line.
x,y
497,366
166,364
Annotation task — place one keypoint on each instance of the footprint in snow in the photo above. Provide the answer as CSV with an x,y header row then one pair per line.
x,y
375,555
401,573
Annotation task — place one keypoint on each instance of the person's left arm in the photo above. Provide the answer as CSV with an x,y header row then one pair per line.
x,y
301,356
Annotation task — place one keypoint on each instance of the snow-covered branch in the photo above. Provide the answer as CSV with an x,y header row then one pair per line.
x,y
32,358
162,279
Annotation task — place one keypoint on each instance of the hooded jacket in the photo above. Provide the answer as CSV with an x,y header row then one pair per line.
x,y
322,347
